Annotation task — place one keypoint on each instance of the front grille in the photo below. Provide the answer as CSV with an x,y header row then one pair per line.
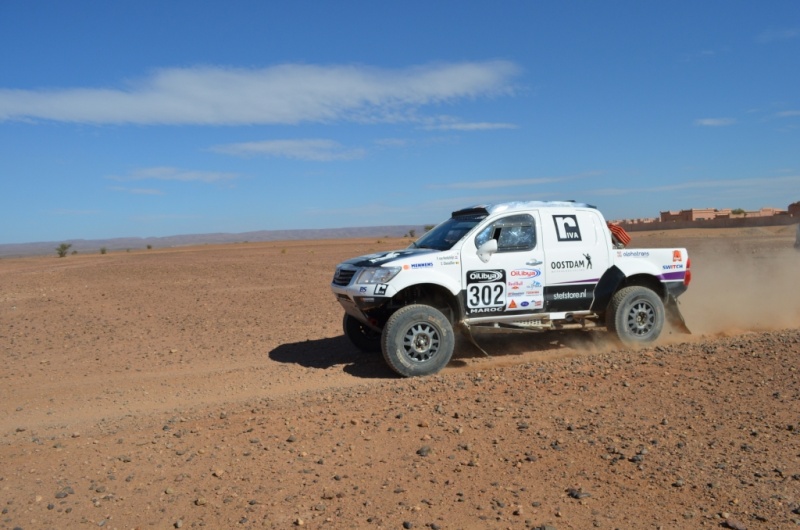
x,y
343,276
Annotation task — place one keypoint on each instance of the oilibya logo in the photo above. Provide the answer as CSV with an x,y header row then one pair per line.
x,y
567,228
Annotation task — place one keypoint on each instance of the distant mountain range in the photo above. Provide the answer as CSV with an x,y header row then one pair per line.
x,y
133,243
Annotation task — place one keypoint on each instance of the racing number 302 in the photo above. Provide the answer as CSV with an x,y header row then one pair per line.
x,y
486,295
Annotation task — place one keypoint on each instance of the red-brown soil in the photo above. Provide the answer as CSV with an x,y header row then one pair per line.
x,y
212,387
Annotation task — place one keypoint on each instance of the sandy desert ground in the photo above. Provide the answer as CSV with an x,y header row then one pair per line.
x,y
211,387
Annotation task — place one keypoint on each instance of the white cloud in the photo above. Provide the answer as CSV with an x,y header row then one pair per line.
x,y
137,191
480,126
714,122
777,35
360,211
727,184
71,213
310,149
788,113
393,142
430,211
505,183
283,94
171,173
750,185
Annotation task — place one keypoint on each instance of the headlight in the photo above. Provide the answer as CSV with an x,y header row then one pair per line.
x,y
378,274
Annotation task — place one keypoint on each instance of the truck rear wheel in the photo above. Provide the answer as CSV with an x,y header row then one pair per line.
x,y
362,336
417,340
636,314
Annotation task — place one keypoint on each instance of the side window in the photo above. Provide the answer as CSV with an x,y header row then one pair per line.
x,y
514,233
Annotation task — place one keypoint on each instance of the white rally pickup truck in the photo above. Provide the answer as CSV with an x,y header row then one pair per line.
x,y
521,266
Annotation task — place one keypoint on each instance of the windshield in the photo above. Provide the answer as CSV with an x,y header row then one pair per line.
x,y
450,232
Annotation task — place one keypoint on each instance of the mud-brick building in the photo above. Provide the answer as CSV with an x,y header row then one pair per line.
x,y
794,209
693,214
703,214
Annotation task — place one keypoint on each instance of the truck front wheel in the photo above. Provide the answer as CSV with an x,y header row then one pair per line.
x,y
636,314
417,340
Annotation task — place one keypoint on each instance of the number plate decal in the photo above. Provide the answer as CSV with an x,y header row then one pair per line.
x,y
486,291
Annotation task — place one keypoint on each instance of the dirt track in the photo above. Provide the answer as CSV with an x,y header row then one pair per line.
x,y
211,386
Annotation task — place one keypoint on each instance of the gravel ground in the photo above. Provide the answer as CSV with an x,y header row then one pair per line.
x,y
211,387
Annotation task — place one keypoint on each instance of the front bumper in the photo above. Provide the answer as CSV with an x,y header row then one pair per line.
x,y
360,300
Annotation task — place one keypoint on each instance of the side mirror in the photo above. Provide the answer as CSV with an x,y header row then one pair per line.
x,y
486,250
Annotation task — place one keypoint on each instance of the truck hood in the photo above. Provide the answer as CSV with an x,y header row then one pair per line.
x,y
380,259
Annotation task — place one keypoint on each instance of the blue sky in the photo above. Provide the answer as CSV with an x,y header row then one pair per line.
x,y
144,118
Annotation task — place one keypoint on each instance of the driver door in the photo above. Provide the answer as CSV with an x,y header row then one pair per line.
x,y
509,280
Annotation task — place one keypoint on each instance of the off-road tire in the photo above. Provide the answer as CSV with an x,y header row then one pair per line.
x,y
417,340
636,315
360,335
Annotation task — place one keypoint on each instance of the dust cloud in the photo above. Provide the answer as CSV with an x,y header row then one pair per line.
x,y
742,284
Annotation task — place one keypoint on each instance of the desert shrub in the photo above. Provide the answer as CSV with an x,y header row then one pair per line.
x,y
103,250
62,249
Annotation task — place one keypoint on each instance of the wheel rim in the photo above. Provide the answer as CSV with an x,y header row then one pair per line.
x,y
641,318
421,342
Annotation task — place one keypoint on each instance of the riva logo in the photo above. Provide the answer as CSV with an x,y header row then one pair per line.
x,y
567,228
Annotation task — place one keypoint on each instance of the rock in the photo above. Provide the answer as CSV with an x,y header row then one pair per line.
x,y
576,493
733,524
425,450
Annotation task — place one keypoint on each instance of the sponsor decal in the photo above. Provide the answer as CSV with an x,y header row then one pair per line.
x,y
515,285
522,305
422,265
525,273
485,276
451,257
449,263
534,283
535,292
486,310
362,289
380,289
567,228
515,293
571,295
676,256
486,291
633,254
674,266
571,265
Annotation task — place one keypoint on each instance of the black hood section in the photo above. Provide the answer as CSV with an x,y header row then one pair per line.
x,y
383,258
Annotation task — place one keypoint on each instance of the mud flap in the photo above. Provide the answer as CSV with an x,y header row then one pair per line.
x,y
468,333
674,316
